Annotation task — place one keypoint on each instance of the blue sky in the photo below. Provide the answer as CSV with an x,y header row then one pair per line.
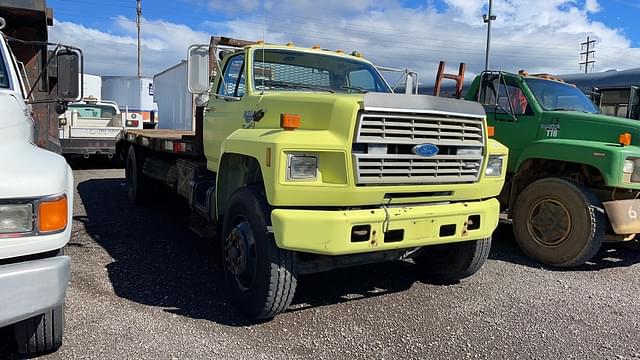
x,y
401,33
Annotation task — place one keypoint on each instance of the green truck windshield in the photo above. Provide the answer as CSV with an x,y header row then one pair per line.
x,y
557,96
284,70
95,111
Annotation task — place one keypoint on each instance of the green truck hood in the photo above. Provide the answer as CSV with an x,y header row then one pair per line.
x,y
592,127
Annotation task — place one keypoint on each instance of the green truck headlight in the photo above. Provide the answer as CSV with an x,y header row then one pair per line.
x,y
302,167
16,218
631,170
494,165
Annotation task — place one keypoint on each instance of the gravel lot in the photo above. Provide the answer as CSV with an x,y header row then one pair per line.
x,y
143,286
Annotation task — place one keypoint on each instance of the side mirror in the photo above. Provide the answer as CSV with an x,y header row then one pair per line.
x,y
198,69
634,103
68,73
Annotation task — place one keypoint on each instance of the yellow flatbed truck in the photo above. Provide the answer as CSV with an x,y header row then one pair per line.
x,y
304,160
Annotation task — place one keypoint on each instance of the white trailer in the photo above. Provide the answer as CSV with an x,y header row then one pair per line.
x,y
176,105
91,86
134,97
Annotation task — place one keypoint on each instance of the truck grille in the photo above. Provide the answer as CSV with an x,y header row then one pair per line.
x,y
384,141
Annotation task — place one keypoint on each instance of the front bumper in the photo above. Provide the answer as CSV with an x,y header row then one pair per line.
x,y
30,288
624,216
88,146
330,232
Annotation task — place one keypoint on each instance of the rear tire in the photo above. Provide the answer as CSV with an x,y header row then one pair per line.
x,y
450,263
137,182
261,278
559,223
41,334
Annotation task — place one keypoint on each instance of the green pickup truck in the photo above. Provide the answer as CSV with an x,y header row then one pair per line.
x,y
573,174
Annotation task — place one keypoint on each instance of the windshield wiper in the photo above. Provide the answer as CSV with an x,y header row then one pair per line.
x,y
361,90
299,86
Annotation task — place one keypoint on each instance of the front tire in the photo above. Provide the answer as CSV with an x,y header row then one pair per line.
x,y
559,223
260,277
450,263
40,334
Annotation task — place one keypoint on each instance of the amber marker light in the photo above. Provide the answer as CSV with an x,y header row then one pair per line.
x,y
52,215
491,131
289,121
624,139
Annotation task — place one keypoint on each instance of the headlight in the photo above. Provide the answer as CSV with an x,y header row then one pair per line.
x,y
302,167
494,165
631,170
46,216
16,218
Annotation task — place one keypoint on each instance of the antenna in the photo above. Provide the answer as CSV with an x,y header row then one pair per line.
x,y
138,21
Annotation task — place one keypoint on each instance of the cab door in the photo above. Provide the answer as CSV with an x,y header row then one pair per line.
x,y
509,111
226,110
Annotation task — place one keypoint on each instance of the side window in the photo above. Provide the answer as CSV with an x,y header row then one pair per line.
x,y
511,98
362,79
233,77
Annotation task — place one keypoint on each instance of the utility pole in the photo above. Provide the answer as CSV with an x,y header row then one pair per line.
x,y
487,20
138,21
587,48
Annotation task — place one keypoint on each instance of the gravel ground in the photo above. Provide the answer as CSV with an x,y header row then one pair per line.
x,y
143,286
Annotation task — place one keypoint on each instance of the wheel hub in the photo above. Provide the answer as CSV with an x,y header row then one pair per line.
x,y
549,222
240,254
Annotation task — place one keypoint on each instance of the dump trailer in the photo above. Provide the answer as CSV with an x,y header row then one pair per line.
x,y
573,175
27,23
303,160
36,198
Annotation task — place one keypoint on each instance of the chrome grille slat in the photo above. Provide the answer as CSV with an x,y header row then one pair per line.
x,y
444,130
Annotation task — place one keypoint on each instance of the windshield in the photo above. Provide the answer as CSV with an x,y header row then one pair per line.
x,y
553,95
4,76
93,111
285,70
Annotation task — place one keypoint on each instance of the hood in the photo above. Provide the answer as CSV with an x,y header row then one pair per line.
x,y
592,127
28,171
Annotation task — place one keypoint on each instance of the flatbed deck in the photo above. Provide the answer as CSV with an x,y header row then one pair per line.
x,y
182,142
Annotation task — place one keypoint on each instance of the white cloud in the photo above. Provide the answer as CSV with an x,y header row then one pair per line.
x,y
163,44
541,38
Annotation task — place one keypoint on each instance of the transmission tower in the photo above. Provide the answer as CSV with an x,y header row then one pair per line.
x,y
588,54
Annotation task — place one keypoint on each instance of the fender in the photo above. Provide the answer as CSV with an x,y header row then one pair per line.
x,y
608,158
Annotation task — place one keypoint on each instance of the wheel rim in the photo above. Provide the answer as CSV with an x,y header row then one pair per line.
x,y
549,222
240,255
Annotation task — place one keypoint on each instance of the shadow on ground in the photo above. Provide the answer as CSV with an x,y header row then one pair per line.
x,y
93,162
611,255
158,261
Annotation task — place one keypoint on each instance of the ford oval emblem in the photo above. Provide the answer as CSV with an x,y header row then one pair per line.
x,y
426,150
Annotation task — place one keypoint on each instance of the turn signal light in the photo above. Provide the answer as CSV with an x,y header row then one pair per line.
x,y
132,123
491,131
624,139
316,47
52,215
289,121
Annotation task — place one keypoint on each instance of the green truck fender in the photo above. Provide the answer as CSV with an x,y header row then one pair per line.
x,y
607,158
